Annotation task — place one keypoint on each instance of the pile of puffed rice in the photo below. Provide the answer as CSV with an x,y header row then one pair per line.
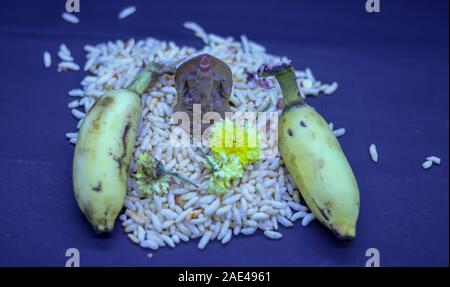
x,y
263,198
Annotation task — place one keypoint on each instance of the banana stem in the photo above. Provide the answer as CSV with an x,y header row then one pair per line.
x,y
147,75
285,76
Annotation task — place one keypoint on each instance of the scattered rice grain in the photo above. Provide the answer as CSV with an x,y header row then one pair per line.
x,y
128,11
47,59
273,234
70,18
307,219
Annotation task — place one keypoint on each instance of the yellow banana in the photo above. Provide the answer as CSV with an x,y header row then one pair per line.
x,y
103,151
315,159
104,147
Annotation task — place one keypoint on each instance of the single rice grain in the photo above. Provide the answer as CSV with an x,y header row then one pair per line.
x,y
128,11
77,114
272,234
434,159
307,219
427,164
204,240
70,18
227,237
373,153
47,59
339,132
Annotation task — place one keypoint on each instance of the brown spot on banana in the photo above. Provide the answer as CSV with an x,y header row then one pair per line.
x,y
102,102
326,214
98,187
105,102
125,137
125,133
120,159
117,159
95,125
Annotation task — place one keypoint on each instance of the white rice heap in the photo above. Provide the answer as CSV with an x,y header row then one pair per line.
x,y
262,199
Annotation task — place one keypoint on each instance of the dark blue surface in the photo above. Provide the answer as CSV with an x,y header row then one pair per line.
x,y
393,71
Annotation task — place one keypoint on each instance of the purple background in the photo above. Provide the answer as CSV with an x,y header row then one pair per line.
x,y
392,69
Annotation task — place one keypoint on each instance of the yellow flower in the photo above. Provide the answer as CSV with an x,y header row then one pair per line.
x,y
223,170
235,140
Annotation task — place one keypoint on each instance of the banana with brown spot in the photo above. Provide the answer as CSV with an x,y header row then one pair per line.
x,y
315,159
104,148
